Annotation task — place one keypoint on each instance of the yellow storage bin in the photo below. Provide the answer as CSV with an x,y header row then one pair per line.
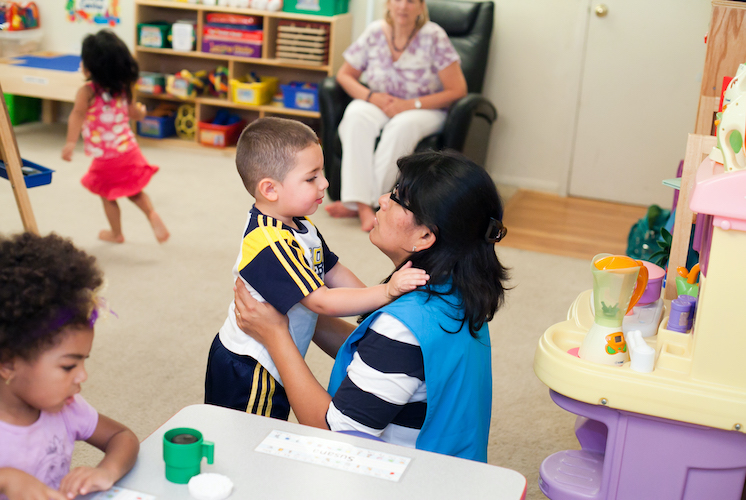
x,y
255,93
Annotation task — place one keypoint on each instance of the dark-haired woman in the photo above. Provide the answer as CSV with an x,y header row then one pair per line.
x,y
102,111
417,372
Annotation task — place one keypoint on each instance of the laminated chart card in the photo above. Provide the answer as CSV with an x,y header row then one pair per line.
x,y
119,493
334,454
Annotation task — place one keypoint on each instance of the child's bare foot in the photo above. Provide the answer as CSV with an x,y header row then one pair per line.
x,y
107,235
367,217
159,228
338,210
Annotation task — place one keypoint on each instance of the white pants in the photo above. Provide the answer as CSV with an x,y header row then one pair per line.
x,y
369,171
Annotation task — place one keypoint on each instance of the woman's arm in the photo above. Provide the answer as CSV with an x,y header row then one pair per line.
x,y
331,333
76,119
454,88
307,397
349,79
120,446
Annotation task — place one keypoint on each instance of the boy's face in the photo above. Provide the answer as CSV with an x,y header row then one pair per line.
x,y
302,190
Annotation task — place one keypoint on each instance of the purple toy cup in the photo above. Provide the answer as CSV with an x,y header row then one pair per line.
x,y
655,281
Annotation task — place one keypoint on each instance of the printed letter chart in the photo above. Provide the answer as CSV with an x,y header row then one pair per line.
x,y
334,454
119,493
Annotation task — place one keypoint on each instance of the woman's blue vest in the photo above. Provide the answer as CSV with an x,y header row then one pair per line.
x,y
458,373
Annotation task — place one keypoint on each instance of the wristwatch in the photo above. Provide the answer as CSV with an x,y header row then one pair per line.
x,y
417,103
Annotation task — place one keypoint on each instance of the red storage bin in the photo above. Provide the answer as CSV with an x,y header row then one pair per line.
x,y
220,136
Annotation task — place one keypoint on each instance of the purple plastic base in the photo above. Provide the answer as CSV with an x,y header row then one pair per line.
x,y
629,456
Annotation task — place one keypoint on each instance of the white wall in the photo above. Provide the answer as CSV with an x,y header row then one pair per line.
x,y
64,36
532,78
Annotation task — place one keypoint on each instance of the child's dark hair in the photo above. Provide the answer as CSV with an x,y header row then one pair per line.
x,y
457,200
110,63
46,285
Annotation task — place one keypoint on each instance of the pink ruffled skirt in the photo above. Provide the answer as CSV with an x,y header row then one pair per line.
x,y
124,175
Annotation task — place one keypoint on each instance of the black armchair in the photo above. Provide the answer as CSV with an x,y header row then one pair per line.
x,y
467,126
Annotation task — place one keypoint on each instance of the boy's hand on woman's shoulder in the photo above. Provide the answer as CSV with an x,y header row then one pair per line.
x,y
405,280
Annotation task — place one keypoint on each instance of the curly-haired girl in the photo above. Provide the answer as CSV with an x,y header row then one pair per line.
x,y
48,306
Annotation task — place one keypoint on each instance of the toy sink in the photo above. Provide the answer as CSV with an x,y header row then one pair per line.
x,y
669,391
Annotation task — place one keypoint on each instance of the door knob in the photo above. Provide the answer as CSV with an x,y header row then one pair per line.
x,y
601,10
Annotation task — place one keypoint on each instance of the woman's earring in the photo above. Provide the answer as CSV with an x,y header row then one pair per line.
x,y
414,248
7,380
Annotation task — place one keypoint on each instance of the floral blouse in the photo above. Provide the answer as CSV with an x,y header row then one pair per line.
x,y
415,73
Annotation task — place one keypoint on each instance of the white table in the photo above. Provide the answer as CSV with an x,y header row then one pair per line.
x,y
258,475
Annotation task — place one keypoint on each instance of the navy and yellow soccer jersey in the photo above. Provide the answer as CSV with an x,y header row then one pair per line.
x,y
280,265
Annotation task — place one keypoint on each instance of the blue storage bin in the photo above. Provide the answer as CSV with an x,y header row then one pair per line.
x,y
157,127
33,174
301,95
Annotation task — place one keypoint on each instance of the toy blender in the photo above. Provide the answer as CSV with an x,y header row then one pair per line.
x,y
618,283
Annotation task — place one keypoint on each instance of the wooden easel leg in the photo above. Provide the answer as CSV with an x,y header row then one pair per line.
x,y
12,158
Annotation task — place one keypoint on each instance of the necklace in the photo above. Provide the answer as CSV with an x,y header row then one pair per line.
x,y
393,44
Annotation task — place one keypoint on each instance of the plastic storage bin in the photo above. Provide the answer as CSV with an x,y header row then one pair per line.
x,y
151,83
316,7
154,34
220,136
157,127
301,95
22,109
33,174
255,93
18,43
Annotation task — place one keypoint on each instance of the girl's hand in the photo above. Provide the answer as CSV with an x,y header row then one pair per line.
x,y
17,485
406,279
67,151
83,480
258,319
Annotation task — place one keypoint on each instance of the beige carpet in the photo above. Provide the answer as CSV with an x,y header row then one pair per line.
x,y
148,361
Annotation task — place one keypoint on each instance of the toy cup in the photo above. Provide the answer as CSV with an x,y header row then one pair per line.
x,y
183,449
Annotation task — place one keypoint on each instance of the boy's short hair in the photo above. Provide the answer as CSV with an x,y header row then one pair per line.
x,y
267,149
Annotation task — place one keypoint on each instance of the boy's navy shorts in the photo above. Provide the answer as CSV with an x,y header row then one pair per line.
x,y
240,382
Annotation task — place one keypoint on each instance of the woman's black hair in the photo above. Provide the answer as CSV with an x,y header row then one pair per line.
x,y
110,63
46,285
456,199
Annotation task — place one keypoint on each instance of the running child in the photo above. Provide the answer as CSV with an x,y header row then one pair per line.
x,y
102,111
48,306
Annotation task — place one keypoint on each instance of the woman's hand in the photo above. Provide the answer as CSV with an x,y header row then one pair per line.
x,y
257,319
381,100
83,480
406,279
396,106
18,485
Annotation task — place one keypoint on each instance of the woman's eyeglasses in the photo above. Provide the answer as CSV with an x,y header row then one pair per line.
x,y
394,196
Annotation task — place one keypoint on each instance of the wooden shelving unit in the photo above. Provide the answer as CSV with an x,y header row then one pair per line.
x,y
170,61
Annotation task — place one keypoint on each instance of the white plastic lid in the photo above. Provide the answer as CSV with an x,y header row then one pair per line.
x,y
210,486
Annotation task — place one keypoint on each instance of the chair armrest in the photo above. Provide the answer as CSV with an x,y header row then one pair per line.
x,y
332,101
460,117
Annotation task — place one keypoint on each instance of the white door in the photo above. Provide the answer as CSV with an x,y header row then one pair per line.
x,y
639,96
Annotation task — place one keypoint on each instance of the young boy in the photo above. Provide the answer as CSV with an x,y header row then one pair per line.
x,y
284,261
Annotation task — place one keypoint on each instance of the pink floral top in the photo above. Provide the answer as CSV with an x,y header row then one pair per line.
x,y
415,73
106,129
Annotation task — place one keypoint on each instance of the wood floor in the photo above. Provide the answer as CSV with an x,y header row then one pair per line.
x,y
572,227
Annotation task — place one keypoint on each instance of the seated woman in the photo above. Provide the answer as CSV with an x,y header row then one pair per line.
x,y
417,372
413,73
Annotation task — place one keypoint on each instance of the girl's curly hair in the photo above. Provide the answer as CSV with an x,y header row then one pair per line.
x,y
46,285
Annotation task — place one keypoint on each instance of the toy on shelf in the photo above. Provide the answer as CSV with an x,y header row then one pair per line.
x,y
218,79
151,83
232,34
303,42
254,89
159,123
647,313
154,34
183,35
301,95
618,283
16,17
222,131
186,121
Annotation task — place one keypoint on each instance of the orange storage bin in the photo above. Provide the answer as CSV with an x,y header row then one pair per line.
x,y
220,136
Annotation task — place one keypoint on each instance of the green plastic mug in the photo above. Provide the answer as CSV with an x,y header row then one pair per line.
x,y
183,449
